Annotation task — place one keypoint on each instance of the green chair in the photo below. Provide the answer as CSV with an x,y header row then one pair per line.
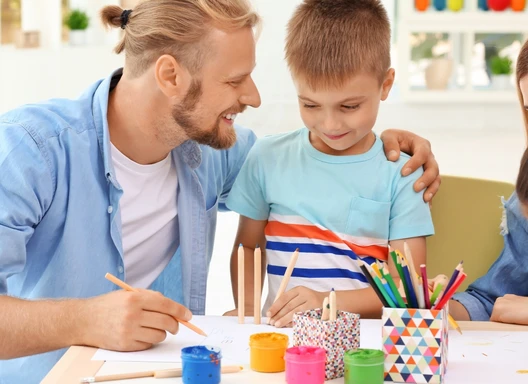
x,y
467,215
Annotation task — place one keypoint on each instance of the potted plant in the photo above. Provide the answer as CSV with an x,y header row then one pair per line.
x,y
501,70
77,22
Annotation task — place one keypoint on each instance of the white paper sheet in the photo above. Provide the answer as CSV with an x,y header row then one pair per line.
x,y
222,331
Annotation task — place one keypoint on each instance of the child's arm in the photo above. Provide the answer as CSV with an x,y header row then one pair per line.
x,y
250,233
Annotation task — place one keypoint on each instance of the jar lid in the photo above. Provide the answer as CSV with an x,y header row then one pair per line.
x,y
269,340
303,354
201,353
364,356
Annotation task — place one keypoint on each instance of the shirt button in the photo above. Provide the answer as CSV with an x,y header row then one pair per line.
x,y
120,269
110,209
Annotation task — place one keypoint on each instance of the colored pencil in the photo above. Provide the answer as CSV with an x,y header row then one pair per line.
x,y
395,291
414,275
451,292
425,286
408,281
373,285
454,276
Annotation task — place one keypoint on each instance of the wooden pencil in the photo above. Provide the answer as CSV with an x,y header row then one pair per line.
x,y
127,287
326,310
257,285
332,301
287,274
158,374
241,302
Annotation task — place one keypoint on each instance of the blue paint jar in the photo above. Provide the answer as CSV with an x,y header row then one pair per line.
x,y
439,5
201,365
483,4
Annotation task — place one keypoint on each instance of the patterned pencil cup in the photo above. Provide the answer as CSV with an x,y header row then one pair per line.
x,y
415,343
335,337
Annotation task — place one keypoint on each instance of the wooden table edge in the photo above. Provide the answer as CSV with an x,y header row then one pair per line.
x,y
77,361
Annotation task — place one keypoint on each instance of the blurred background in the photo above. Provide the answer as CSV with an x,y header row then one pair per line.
x,y
454,60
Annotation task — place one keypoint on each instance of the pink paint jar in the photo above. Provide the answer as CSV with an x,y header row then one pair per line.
x,y
305,365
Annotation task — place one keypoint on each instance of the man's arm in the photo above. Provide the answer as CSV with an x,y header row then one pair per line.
x,y
119,320
250,233
122,321
395,140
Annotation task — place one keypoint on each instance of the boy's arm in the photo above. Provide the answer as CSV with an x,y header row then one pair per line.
x,y
250,233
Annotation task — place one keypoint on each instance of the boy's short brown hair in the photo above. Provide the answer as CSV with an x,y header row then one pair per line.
x,y
330,40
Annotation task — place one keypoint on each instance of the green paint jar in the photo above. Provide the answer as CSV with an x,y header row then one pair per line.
x,y
364,366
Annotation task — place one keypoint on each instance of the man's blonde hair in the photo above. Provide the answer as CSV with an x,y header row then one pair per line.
x,y
328,41
175,27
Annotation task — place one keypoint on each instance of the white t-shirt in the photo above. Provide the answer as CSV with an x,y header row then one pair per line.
x,y
148,216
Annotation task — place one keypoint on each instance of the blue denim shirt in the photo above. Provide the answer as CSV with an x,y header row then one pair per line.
x,y
60,226
509,273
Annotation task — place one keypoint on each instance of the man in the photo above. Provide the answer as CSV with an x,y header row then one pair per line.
x,y
128,180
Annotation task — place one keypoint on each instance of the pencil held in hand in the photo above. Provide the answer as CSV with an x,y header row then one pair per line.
x,y
127,287
287,274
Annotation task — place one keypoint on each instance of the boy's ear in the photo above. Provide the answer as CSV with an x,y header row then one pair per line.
x,y
387,84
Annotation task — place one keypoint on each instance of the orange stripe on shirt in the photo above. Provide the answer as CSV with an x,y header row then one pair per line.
x,y
276,228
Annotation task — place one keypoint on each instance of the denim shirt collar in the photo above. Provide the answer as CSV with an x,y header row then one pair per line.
x,y
189,150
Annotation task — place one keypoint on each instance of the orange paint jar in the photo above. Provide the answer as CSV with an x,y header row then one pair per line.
x,y
267,352
421,5
518,5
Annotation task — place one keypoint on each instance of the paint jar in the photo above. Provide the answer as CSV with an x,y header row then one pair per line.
x,y
267,352
201,365
305,365
364,366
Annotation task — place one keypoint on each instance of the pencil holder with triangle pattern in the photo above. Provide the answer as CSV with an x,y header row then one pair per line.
x,y
415,343
336,337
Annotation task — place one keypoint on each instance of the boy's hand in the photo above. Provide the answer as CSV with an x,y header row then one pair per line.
x,y
295,300
395,140
511,309
233,312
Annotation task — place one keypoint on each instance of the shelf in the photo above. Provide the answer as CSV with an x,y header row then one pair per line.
x,y
444,21
461,96
462,27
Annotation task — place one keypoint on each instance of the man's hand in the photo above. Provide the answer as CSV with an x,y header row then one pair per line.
x,y
130,321
511,309
295,300
395,140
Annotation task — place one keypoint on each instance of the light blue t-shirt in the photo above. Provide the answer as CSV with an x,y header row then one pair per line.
x,y
334,209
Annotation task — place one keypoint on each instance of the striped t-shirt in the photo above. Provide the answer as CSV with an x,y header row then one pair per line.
x,y
335,209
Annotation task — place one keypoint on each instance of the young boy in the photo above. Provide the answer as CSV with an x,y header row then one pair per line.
x,y
328,189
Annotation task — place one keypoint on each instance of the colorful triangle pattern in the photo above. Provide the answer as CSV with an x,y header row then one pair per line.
x,y
415,342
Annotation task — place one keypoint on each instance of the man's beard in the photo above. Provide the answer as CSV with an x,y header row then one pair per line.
x,y
183,116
